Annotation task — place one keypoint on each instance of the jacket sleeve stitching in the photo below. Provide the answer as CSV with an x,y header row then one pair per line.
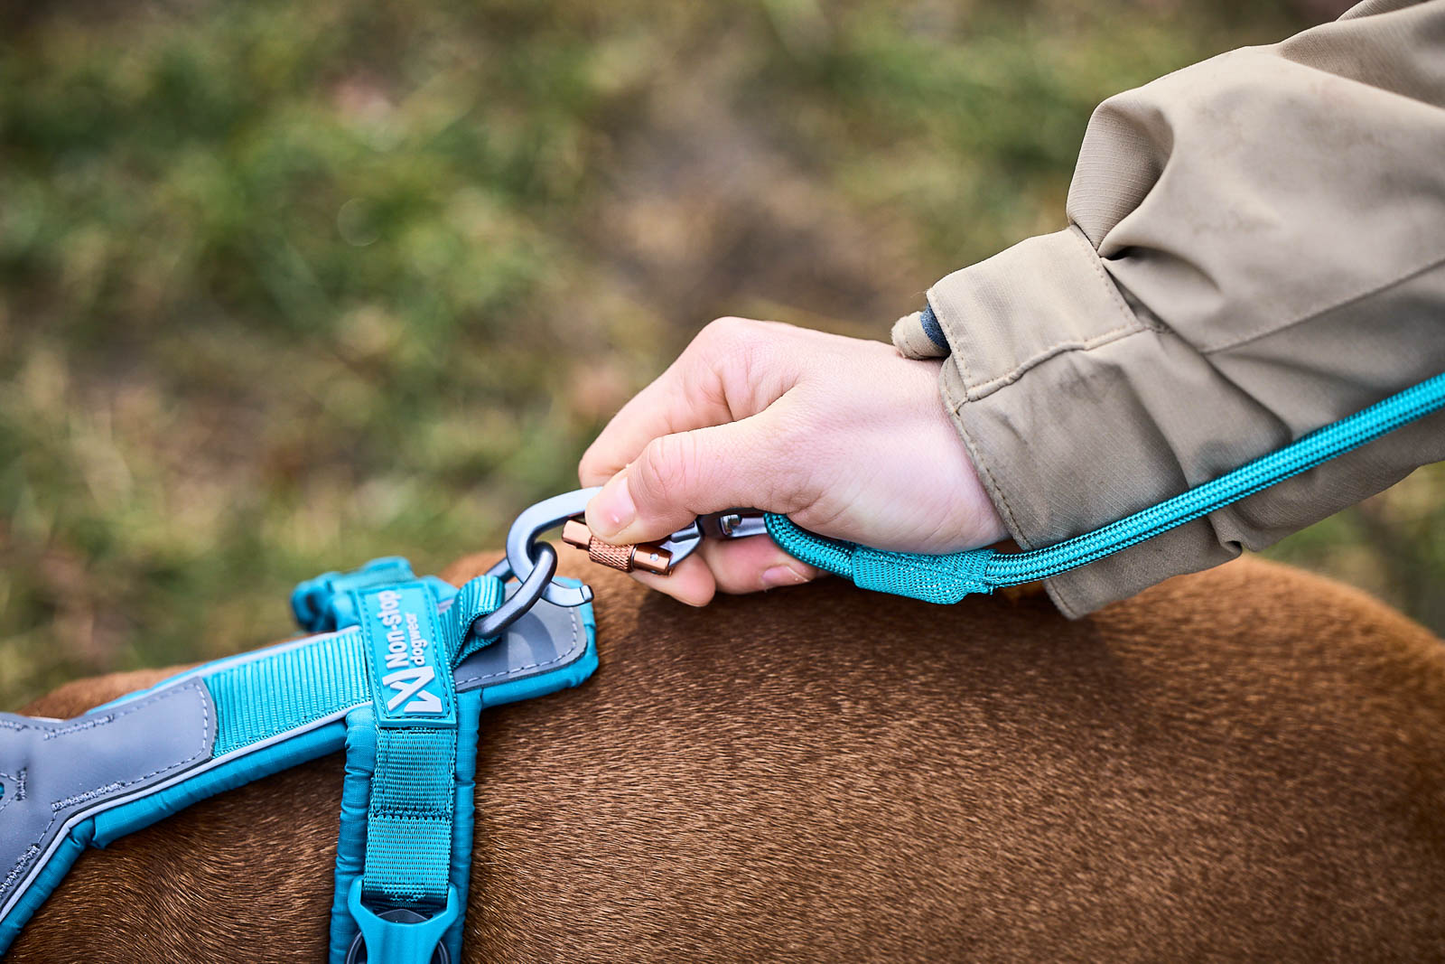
x,y
1131,324
980,463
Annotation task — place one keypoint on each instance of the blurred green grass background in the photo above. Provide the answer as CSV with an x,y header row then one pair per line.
x,y
287,286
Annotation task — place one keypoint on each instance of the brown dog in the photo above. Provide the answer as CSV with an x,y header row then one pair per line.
x,y
1244,764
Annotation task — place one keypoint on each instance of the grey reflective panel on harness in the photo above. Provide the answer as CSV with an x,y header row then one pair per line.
x,y
65,785
54,769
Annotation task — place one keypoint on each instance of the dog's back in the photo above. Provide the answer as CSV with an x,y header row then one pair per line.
x,y
1248,763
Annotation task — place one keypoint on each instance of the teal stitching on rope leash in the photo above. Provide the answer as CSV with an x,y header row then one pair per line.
x,y
949,578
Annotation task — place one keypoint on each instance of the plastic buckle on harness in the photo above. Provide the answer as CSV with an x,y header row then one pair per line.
x,y
400,935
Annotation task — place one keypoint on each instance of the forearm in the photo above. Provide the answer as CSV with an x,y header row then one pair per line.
x,y
1257,248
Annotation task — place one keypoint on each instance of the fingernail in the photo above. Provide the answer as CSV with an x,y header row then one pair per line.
x,y
781,576
612,510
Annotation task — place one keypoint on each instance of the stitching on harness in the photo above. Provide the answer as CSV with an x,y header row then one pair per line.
x,y
84,725
410,813
58,806
118,785
111,717
576,638
19,780
20,865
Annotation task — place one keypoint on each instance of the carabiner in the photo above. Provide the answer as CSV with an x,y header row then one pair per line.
x,y
662,557
522,544
567,509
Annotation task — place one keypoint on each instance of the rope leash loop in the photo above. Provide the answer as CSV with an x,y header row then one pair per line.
x,y
947,578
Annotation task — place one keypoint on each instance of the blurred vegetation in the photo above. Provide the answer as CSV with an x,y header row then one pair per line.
x,y
286,286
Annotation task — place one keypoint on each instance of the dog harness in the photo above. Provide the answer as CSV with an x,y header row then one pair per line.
x,y
397,674
400,669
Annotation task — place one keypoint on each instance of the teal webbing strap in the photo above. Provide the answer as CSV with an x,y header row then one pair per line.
x,y
475,599
950,577
411,653
281,691
414,701
406,765
409,817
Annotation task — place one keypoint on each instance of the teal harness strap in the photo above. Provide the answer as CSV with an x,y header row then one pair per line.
x,y
410,755
950,577
398,676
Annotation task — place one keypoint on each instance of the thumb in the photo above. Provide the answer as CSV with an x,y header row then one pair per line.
x,y
681,476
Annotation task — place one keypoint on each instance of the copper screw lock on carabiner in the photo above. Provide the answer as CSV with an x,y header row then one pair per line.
x,y
648,558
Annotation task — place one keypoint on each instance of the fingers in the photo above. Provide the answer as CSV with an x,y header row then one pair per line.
x,y
718,429
679,477
731,370
691,582
747,565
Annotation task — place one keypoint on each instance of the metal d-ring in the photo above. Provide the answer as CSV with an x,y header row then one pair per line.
x,y
523,549
494,623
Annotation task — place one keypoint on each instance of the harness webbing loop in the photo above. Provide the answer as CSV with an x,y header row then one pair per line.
x,y
403,753
947,578
409,817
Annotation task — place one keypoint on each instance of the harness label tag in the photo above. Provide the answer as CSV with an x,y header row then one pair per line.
x,y
411,681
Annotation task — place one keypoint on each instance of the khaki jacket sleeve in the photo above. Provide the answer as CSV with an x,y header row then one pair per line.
x,y
1256,248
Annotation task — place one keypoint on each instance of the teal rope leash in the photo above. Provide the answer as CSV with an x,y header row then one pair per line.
x,y
948,578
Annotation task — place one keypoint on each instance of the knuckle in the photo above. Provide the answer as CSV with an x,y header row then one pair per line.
x,y
729,337
724,330
739,352
667,464
591,468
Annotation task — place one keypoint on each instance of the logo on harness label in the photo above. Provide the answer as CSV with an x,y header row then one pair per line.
x,y
400,627
409,683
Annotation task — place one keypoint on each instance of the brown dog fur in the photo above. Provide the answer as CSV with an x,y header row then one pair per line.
x,y
1248,763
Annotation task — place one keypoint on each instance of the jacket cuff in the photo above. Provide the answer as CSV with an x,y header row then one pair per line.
x,y
1085,438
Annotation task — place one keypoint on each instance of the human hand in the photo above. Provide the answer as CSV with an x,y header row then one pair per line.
x,y
845,436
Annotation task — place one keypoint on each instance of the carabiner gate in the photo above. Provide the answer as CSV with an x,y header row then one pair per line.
x,y
567,510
